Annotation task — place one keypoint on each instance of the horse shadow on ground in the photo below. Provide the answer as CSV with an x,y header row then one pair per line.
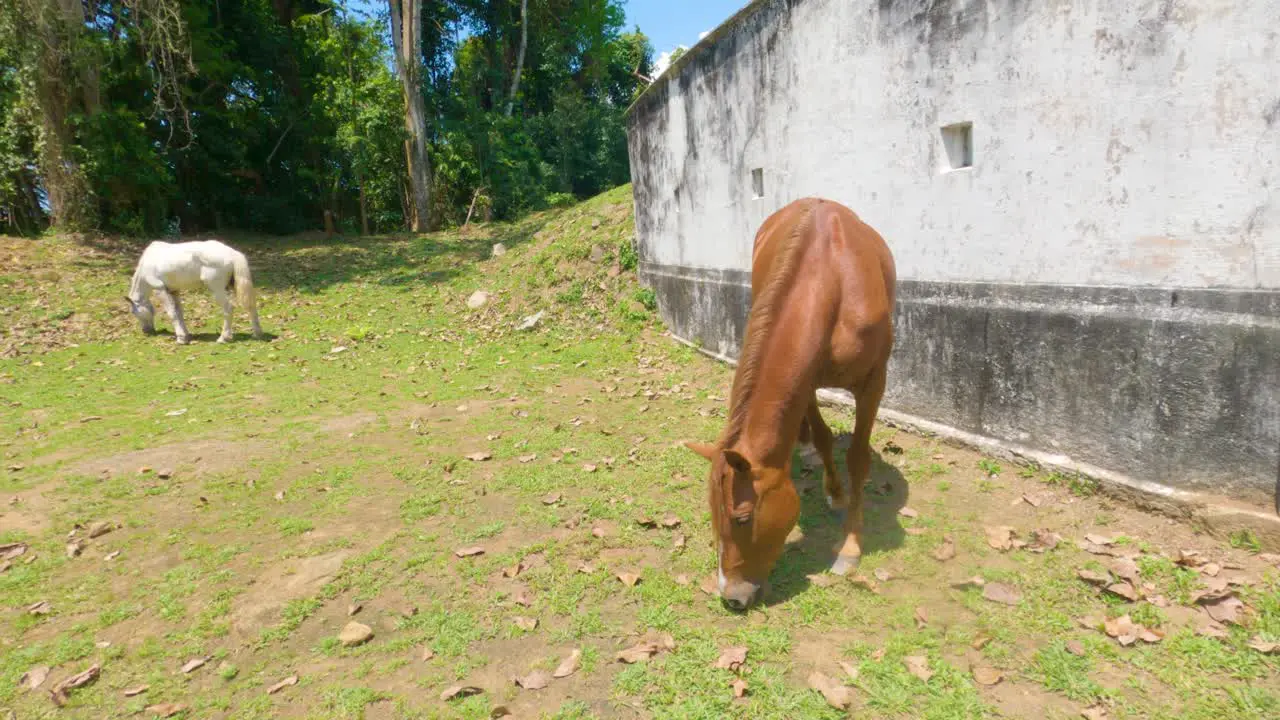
x,y
884,494
212,337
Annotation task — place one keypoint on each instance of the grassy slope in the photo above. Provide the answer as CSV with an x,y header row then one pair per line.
x,y
329,468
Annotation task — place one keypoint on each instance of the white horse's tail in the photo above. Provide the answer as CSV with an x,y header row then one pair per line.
x,y
244,289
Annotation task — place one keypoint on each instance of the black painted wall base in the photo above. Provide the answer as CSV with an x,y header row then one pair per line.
x,y
1171,386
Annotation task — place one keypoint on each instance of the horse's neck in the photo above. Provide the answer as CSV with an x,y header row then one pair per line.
x,y
776,407
135,284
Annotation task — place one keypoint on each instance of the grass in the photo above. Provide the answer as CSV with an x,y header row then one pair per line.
x,y
304,481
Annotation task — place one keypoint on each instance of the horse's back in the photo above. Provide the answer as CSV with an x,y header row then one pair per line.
x,y
833,237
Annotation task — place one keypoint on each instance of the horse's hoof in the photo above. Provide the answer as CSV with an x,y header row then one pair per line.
x,y
184,340
845,564
224,338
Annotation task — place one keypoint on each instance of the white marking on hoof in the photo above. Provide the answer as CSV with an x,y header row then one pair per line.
x,y
845,564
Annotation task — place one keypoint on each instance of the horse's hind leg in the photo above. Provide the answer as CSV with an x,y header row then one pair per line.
x,y
820,436
224,299
849,551
173,306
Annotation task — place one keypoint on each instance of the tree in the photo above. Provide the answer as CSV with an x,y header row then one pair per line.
x,y
406,35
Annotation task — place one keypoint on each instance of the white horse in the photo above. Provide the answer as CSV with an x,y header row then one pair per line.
x,y
173,268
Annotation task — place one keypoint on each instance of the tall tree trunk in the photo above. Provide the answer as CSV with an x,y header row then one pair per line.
x,y
406,33
524,44
56,31
86,66
364,206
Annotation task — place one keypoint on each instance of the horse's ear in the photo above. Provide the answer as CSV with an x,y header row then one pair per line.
x,y
737,461
706,450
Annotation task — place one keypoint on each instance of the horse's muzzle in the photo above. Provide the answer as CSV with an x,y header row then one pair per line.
x,y
738,595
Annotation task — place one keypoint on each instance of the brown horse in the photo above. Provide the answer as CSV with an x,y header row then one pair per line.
x,y
822,295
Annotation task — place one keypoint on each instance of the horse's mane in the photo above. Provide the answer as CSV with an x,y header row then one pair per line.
x,y
760,321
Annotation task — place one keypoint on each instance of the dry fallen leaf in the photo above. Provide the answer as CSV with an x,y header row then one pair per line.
x,y
907,512
1001,593
837,695
552,499
918,665
459,691
479,456
536,680
111,555
1127,569
74,548
986,675
1094,577
99,528
882,575
946,550
1210,628
194,664
1043,541
866,583
1099,539
569,665
974,582
1097,712
629,579
1264,646
588,467
1075,647
1225,610
732,658
598,532
678,542
513,571
526,459
469,551
41,608
166,710
1123,629
34,677
280,495
922,618
136,691
915,531
739,687
287,682
1124,590
427,654
670,522
849,669
818,579
650,645
1000,538
62,689
980,642
525,623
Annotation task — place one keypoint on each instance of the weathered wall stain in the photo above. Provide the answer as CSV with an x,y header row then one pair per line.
x,y
1104,281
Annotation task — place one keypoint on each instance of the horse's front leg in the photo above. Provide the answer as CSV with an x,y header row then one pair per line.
x,y
173,306
220,294
849,550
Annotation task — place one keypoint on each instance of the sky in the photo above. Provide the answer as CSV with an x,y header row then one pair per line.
x,y
672,23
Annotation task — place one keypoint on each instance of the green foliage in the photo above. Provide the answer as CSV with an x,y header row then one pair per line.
x,y
206,115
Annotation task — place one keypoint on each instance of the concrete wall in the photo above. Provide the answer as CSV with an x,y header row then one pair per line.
x,y
1104,279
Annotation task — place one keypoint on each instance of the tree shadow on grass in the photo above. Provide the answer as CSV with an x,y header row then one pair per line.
x,y
393,260
885,493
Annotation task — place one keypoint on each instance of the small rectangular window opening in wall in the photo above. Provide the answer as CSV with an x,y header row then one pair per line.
x,y
957,139
757,183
